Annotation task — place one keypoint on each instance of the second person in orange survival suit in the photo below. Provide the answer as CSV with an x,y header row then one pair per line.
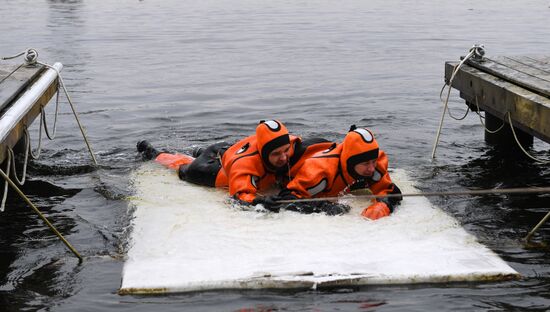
x,y
246,167
355,163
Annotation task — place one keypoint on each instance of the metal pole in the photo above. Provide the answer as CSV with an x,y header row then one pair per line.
x,y
3,174
541,222
526,190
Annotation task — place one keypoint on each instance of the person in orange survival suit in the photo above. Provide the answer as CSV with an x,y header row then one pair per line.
x,y
355,163
246,167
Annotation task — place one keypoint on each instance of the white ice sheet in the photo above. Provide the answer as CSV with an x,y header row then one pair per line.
x,y
187,238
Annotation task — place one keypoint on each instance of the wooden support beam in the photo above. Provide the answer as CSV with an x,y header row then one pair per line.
x,y
13,129
12,85
529,111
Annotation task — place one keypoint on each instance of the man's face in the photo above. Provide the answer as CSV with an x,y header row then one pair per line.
x,y
365,168
279,156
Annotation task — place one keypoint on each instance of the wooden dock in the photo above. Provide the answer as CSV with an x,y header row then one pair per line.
x,y
22,96
518,86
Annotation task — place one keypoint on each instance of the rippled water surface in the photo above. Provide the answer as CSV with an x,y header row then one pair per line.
x,y
186,73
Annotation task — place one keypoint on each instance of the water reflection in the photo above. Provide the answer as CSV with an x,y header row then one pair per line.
x,y
513,214
498,221
67,27
30,254
65,12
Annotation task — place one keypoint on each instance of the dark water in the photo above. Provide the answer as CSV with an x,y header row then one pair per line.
x,y
184,73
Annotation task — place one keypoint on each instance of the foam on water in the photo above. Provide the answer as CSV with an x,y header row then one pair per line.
x,y
188,238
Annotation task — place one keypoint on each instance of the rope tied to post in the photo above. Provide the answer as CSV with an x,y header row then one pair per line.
x,y
31,59
477,52
31,56
82,131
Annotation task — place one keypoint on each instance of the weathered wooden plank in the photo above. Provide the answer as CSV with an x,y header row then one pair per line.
x,y
15,83
534,62
530,111
25,107
523,65
526,80
543,59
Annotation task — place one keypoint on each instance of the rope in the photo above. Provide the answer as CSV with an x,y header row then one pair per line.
x,y
24,174
449,109
13,56
477,52
11,167
483,124
520,146
28,150
8,180
31,55
5,196
506,115
74,111
43,113
39,147
42,122
541,222
527,190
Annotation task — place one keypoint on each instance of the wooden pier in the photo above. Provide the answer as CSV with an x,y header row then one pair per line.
x,y
22,96
507,87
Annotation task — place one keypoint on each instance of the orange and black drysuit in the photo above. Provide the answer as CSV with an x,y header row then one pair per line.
x,y
331,172
244,167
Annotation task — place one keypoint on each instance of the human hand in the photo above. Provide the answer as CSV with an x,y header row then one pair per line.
x,y
376,211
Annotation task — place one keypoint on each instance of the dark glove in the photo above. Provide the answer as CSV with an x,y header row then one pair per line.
x,y
326,207
286,194
269,202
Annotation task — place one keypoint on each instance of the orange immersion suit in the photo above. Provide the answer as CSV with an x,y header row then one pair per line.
x,y
244,167
331,172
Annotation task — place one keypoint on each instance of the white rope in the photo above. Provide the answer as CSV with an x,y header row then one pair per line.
x,y
43,125
39,147
43,116
31,56
508,115
449,109
28,151
11,166
14,56
5,196
519,144
484,125
24,174
473,51
73,109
